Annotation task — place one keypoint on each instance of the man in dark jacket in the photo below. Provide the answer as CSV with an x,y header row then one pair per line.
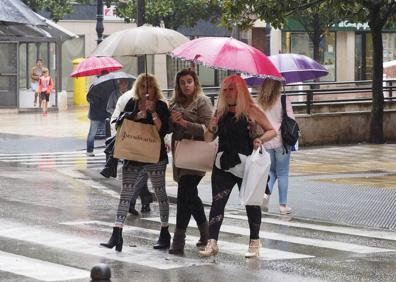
x,y
97,99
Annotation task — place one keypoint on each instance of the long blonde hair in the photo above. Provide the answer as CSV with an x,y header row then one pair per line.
x,y
141,80
269,93
178,96
243,100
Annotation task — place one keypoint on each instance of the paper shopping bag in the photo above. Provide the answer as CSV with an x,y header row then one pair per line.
x,y
137,141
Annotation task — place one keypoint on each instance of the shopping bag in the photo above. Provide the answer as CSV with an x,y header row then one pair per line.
x,y
195,155
255,178
136,141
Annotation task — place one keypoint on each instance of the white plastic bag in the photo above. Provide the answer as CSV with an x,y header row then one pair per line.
x,y
255,178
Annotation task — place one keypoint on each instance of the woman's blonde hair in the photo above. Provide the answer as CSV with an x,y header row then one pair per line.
x,y
243,100
141,81
178,96
269,93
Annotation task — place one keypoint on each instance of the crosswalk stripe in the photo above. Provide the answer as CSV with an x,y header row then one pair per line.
x,y
328,244
226,247
137,255
39,269
334,229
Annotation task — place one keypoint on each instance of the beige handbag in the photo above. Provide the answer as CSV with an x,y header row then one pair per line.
x,y
195,155
136,141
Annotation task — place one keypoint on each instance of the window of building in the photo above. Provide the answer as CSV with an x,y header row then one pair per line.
x,y
299,43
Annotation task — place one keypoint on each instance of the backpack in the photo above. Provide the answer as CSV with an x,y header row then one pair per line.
x,y
289,127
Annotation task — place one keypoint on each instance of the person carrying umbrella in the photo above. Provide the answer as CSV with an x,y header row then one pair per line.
x,y
191,112
269,99
231,124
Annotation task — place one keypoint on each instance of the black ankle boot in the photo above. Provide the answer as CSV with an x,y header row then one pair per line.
x,y
145,208
179,240
132,209
163,240
115,240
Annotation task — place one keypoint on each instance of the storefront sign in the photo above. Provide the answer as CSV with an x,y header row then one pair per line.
x,y
110,14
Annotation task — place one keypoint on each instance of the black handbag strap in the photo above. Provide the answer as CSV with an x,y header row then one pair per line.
x,y
283,102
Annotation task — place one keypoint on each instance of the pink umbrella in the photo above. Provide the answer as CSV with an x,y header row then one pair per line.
x,y
96,66
229,54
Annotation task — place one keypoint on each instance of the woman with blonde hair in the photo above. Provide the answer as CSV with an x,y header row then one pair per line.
x,y
269,99
235,110
148,105
191,112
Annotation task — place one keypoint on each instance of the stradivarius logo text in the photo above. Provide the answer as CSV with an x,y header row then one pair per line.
x,y
137,137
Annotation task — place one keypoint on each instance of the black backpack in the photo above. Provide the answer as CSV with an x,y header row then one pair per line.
x,y
289,127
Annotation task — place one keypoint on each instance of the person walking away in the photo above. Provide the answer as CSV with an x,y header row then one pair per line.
x,y
37,72
44,88
231,124
97,115
149,106
115,106
269,99
191,112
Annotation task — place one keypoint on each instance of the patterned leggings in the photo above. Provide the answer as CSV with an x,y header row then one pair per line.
x,y
133,179
222,184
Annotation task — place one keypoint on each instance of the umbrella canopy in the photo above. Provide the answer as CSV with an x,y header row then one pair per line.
x,y
227,53
113,76
143,40
15,11
96,66
294,68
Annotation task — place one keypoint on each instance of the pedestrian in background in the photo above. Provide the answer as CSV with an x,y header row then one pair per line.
x,y
97,116
37,72
122,96
44,88
234,111
148,105
191,113
269,99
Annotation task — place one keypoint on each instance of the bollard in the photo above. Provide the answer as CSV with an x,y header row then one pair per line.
x,y
100,272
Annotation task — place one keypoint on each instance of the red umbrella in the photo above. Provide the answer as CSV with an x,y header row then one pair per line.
x,y
96,66
227,53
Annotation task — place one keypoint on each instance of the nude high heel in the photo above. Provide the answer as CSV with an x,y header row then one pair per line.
x,y
211,249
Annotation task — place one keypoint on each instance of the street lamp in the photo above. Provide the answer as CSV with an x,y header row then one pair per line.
x,y
99,21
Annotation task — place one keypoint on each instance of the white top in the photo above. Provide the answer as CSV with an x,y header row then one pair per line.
x,y
274,115
120,106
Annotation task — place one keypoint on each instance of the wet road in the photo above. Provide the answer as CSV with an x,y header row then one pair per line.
x,y
53,218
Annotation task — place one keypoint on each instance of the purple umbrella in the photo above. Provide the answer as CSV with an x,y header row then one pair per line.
x,y
294,68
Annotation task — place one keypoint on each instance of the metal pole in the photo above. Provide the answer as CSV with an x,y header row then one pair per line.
x,y
99,21
140,11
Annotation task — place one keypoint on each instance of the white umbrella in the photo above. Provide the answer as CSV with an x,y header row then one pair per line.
x,y
143,40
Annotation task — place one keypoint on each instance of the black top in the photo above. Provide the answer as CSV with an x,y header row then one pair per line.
x,y
233,139
163,114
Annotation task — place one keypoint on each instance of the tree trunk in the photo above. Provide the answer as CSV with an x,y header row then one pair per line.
x,y
377,108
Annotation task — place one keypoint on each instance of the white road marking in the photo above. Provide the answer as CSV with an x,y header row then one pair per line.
x,y
226,247
139,255
39,269
377,234
328,244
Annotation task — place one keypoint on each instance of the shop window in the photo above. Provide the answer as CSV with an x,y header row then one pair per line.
x,y
299,43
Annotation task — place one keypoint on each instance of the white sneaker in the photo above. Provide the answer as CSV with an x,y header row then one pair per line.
x,y
264,205
90,154
285,210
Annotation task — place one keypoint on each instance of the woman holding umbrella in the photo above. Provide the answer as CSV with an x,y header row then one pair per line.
x,y
269,99
149,106
191,112
231,124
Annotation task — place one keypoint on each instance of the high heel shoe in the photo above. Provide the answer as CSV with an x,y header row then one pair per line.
x,y
254,249
163,240
115,240
211,249
204,235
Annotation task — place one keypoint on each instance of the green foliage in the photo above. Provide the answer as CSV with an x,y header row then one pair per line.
x,y
172,13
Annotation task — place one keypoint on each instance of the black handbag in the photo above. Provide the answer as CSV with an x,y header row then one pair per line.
x,y
289,127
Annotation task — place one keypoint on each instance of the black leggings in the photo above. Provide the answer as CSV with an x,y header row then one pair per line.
x,y
188,202
222,184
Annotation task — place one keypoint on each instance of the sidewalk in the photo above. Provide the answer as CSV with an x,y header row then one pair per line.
x,y
353,185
